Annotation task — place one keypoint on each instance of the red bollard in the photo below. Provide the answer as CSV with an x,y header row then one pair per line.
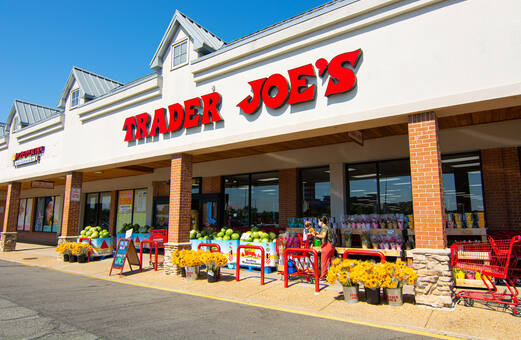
x,y
238,267
151,243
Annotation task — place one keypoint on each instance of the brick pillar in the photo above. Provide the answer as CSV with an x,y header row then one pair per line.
x,y
431,259
502,188
71,207
2,210
211,185
288,192
427,181
12,204
179,211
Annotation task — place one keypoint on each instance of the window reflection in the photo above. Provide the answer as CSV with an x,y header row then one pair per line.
x,y
363,189
265,198
315,190
395,187
236,191
462,185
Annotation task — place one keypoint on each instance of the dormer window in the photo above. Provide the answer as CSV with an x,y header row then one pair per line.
x,y
180,54
75,98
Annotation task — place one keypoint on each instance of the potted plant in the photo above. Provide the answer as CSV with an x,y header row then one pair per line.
x,y
213,261
190,260
374,276
400,275
84,252
65,250
366,239
348,273
347,237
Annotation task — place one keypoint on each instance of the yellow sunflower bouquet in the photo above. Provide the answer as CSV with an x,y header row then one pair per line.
x,y
187,258
213,260
347,272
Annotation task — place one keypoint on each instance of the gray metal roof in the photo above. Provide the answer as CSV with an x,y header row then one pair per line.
x,y
2,130
204,41
312,13
91,85
29,114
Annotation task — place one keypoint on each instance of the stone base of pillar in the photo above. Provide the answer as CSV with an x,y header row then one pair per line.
x,y
435,285
170,268
8,241
64,239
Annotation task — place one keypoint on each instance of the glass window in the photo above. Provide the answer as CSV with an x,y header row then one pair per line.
x,y
265,198
125,203
139,215
21,214
363,189
97,209
132,208
395,187
196,185
236,192
75,98
28,214
180,53
315,192
462,185
104,214
48,214
91,210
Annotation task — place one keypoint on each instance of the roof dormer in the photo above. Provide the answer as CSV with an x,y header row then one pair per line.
x,y
202,40
24,114
83,86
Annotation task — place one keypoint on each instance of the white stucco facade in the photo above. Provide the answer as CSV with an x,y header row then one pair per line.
x,y
450,57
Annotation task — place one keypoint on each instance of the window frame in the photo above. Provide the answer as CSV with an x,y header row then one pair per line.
x,y
33,227
132,207
378,203
98,209
73,92
176,44
250,175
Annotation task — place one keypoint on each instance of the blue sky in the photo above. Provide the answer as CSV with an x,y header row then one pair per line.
x,y
40,41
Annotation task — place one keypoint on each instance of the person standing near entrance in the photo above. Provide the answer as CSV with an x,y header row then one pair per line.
x,y
327,250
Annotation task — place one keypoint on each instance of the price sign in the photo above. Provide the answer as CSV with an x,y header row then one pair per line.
x,y
124,251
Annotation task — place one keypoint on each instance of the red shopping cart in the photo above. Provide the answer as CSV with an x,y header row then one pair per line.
x,y
494,259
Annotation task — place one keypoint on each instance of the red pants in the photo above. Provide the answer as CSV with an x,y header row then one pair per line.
x,y
327,253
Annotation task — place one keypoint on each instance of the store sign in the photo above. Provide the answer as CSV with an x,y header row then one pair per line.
x,y
275,91
179,117
42,184
28,156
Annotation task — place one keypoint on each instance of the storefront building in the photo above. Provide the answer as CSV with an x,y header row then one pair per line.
x,y
371,108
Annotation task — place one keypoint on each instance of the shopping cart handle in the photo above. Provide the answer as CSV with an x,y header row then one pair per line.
x,y
516,239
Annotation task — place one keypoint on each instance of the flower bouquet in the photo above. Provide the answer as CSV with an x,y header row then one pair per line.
x,y
65,250
190,260
214,262
348,273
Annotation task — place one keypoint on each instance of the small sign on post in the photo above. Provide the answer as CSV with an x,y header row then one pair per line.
x,y
124,251
75,194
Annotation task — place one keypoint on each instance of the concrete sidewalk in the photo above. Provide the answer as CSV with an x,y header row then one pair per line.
x,y
477,322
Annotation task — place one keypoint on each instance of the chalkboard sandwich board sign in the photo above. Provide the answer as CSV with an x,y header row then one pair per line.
x,y
125,251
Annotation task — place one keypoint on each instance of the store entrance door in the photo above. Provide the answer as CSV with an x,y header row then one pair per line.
x,y
206,210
